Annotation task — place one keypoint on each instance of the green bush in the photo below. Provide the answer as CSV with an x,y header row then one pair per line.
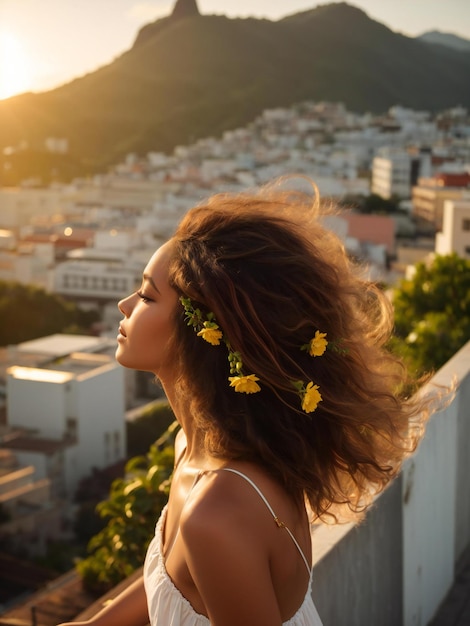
x,y
28,312
432,313
132,509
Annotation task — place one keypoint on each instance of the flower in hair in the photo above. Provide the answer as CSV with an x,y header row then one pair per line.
x,y
245,384
240,382
206,327
317,346
309,395
311,398
211,333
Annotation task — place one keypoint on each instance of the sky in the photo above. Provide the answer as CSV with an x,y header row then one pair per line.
x,y
46,43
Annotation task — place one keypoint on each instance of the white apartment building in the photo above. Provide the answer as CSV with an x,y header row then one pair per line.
x,y
68,413
394,171
133,195
20,207
113,267
429,197
28,263
95,275
32,515
390,176
455,235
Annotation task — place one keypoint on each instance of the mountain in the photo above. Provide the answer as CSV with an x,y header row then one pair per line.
x,y
446,39
185,8
189,76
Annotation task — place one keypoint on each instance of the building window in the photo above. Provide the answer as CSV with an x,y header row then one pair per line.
x,y
71,428
466,224
107,448
117,445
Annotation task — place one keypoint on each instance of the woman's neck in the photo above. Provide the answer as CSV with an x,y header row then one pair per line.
x,y
195,452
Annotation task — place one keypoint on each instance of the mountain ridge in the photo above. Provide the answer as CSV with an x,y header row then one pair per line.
x,y
446,39
188,78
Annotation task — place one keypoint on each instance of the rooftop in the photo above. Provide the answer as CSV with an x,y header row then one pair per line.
x,y
35,444
59,345
39,375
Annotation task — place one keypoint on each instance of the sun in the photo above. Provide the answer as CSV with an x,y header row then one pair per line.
x,y
15,66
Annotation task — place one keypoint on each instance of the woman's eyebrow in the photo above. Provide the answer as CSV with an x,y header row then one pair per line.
x,y
151,281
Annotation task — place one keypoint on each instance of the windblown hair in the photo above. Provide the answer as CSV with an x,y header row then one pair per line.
x,y
273,274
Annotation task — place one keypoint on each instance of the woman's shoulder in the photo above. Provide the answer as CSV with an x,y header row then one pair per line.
x,y
237,496
224,514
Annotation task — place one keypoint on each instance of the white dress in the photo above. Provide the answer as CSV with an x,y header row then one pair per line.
x,y
168,607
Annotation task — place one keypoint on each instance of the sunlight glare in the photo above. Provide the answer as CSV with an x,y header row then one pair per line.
x,y
15,66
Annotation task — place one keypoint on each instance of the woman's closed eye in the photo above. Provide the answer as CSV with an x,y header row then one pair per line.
x,y
143,297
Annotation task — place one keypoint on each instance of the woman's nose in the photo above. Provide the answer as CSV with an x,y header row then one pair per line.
x,y
124,305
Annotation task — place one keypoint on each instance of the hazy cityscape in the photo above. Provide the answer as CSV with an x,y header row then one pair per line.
x,y
400,180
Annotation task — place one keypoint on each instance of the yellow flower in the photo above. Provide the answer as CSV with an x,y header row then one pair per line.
x,y
318,344
212,334
245,384
311,398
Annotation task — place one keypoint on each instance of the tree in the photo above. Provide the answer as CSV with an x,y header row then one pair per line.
x,y
28,312
372,204
432,312
133,506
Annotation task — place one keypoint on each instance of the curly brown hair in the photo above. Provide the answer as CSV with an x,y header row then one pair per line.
x,y
272,274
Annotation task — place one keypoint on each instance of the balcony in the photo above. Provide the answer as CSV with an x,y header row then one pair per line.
x,y
398,565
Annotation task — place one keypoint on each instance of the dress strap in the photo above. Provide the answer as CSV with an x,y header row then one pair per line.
x,y
276,519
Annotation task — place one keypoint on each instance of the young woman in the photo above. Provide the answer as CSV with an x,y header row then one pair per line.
x,y
270,348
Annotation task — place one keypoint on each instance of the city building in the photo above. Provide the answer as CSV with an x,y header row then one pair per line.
x,y
97,276
21,206
430,194
455,235
368,238
396,170
30,513
65,408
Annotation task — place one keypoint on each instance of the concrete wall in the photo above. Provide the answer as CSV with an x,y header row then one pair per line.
x,y
100,411
359,581
397,566
462,502
37,401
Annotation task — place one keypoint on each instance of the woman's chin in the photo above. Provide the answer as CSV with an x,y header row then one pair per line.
x,y
120,358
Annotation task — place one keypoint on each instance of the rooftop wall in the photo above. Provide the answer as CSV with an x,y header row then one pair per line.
x,y
397,566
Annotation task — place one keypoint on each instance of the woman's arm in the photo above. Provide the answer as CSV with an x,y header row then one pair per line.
x,y
129,608
229,564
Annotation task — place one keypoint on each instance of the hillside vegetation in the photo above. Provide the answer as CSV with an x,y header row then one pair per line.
x,y
198,76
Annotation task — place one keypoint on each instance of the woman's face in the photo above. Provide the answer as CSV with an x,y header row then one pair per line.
x,y
148,324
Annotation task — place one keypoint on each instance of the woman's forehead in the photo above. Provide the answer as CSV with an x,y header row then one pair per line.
x,y
158,265
161,256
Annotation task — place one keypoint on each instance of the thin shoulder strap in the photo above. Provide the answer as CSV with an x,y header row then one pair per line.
x,y
276,519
